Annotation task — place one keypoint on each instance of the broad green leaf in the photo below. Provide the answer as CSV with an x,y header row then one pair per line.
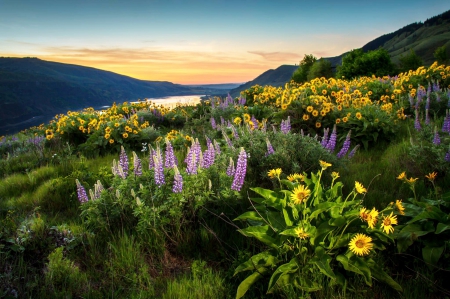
x,y
431,212
263,259
251,215
272,198
357,265
322,231
382,276
431,254
339,221
305,284
249,281
262,233
335,212
338,241
288,216
410,233
276,219
320,208
441,227
322,261
284,269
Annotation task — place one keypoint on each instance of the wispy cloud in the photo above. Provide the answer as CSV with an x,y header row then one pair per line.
x,y
277,56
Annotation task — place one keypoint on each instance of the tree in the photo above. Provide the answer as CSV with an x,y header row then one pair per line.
x,y
301,74
410,61
441,55
320,68
359,63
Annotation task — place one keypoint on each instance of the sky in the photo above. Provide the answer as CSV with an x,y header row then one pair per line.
x,y
198,41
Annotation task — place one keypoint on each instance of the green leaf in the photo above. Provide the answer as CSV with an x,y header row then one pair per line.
x,y
288,216
251,215
430,212
262,233
431,254
322,261
284,269
441,227
410,233
382,276
260,260
249,281
276,219
339,221
272,198
320,208
321,232
357,265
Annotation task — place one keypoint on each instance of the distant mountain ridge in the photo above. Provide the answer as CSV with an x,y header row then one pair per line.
x,y
31,87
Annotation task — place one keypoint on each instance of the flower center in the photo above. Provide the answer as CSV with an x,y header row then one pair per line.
x,y
360,244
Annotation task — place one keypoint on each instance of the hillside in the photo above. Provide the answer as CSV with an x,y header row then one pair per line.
x,y
30,87
274,77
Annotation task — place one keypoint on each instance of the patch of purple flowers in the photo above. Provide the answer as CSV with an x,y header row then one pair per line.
x,y
241,169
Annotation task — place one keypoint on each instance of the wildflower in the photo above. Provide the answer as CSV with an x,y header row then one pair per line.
x,y
159,170
400,207
213,123
318,124
436,138
358,115
274,173
270,149
387,223
353,151
411,180
401,176
177,181
300,194
334,175
364,214
315,113
324,164
191,161
295,177
170,159
309,109
431,176
81,192
301,233
372,218
123,161
230,168
305,117
332,141
345,146
137,165
360,188
285,126
217,147
417,122
241,169
360,244
325,137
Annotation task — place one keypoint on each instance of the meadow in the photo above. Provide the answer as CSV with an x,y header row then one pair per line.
x,y
328,189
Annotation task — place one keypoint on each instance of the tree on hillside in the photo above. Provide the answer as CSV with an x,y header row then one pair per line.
x,y
301,74
410,61
320,68
441,55
359,63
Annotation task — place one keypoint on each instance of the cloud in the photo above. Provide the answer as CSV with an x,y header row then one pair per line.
x,y
277,56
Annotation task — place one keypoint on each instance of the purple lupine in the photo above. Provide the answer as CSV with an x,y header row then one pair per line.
x,y
98,188
235,132
213,123
448,96
227,139
446,124
137,165
417,122
427,103
230,168
345,146
151,160
254,122
270,149
436,138
447,156
177,181
241,169
191,161
170,159
285,126
222,121
159,169
353,151
331,144
242,101
217,147
81,192
325,137
123,161
208,156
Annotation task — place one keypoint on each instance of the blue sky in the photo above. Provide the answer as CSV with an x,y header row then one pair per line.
x,y
198,42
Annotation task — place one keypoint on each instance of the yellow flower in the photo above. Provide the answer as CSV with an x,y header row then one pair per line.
x,y
387,223
237,120
318,124
125,135
309,109
324,92
301,233
315,113
246,117
400,207
107,136
360,244
111,141
284,107
116,124
401,176
372,218
128,129
358,115
412,180
364,214
324,164
431,176
295,177
187,138
300,194
135,131
345,119
305,117
274,173
334,175
338,120
360,188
